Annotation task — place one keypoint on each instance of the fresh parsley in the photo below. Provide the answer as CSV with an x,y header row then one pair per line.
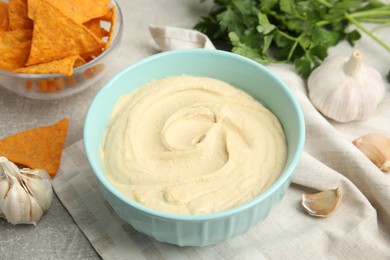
x,y
298,31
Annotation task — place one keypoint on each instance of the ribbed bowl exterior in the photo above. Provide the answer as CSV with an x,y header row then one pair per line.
x,y
192,232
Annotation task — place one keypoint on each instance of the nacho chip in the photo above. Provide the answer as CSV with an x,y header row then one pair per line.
x,y
39,148
111,34
17,12
56,36
80,11
43,85
95,27
4,24
14,57
108,16
89,56
11,38
57,84
63,66
93,71
71,81
31,7
51,84
28,84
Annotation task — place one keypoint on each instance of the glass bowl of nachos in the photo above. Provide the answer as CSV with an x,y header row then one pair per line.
x,y
55,49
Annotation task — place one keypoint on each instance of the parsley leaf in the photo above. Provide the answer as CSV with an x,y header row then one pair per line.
x,y
297,31
303,66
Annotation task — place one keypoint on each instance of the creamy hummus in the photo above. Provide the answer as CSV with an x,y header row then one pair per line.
x,y
192,145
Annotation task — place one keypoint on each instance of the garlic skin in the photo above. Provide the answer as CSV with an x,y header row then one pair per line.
x,y
346,89
376,146
24,194
39,183
16,205
323,203
4,187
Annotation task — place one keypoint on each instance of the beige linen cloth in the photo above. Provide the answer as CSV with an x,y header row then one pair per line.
x,y
358,229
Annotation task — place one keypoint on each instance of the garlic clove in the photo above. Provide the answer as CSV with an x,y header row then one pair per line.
x,y
9,169
4,186
16,206
376,146
37,173
323,203
39,184
36,211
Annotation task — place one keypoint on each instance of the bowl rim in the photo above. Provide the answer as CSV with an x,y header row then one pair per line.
x,y
114,42
286,174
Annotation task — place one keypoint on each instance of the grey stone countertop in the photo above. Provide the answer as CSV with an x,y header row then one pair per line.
x,y
56,235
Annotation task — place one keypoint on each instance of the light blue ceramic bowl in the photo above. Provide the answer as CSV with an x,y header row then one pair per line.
x,y
197,230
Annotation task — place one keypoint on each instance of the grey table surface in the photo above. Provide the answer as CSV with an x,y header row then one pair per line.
x,y
56,235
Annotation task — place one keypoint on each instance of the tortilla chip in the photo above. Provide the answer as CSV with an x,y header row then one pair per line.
x,y
108,16
56,36
31,7
28,84
80,11
51,84
43,85
111,33
63,66
4,24
14,57
93,71
17,12
95,27
71,81
11,38
37,148
89,56
57,84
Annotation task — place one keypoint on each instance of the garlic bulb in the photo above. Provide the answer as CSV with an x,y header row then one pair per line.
x,y
376,146
25,194
323,203
346,89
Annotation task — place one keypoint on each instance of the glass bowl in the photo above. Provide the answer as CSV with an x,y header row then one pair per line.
x,y
57,86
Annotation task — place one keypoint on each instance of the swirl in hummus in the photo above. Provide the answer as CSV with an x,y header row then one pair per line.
x,y
192,145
